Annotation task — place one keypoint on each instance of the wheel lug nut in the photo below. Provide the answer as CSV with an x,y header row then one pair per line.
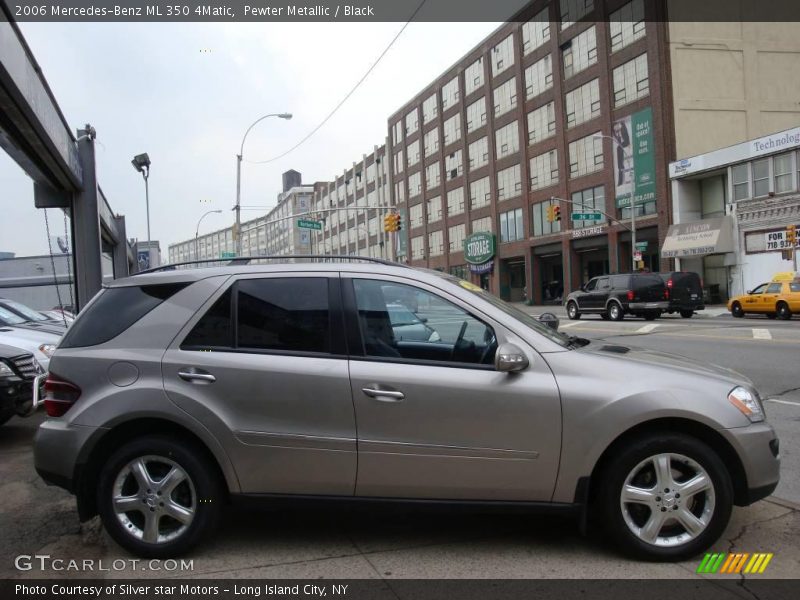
x,y
677,495
666,490
161,504
663,509
658,498
152,509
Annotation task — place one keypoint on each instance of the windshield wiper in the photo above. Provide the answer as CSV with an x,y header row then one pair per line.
x,y
577,342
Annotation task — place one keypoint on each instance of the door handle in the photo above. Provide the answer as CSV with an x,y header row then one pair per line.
x,y
384,395
193,377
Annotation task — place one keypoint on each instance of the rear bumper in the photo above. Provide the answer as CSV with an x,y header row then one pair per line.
x,y
648,306
56,452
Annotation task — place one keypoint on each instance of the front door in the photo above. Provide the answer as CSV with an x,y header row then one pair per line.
x,y
435,420
265,370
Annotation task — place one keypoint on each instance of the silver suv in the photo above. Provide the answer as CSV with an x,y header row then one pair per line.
x,y
178,392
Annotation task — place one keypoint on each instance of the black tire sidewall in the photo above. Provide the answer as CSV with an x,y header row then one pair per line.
x,y
620,312
626,460
783,312
573,314
736,310
191,458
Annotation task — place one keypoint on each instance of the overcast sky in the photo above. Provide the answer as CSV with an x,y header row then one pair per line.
x,y
186,93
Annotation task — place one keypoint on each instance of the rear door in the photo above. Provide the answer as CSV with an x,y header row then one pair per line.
x,y
686,289
648,288
264,367
770,297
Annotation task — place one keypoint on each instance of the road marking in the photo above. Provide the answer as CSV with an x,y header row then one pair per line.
x,y
761,334
570,324
647,328
789,402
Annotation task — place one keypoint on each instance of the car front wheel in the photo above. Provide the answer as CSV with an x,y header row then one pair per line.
x,y
666,497
572,310
736,310
158,496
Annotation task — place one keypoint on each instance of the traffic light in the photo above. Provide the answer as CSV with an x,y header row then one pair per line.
x,y
550,213
791,234
556,213
398,222
392,222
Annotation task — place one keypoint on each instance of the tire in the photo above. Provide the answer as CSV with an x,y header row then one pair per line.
x,y
572,311
736,310
615,312
687,314
634,466
783,311
198,497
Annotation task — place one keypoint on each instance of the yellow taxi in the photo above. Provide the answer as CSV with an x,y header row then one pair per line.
x,y
778,298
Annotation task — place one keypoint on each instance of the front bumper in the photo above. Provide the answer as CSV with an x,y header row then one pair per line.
x,y
759,451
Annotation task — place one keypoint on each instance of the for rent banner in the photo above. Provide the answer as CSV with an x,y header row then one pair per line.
x,y
634,159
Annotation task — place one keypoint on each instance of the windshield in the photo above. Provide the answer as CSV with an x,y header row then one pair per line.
x,y
25,311
10,318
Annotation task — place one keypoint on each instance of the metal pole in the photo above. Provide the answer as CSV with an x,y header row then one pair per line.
x,y
633,216
238,229
147,202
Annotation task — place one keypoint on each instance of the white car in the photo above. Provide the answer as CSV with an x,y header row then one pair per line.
x,y
41,344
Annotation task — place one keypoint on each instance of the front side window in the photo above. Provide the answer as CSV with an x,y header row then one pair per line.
x,y
774,288
401,322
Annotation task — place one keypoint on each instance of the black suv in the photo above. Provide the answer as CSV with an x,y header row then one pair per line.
x,y
18,370
614,296
685,292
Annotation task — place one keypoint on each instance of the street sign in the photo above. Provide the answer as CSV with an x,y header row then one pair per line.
x,y
309,224
637,256
227,255
479,248
641,246
587,216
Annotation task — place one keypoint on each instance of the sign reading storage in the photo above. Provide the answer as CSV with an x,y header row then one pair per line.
x,y
479,248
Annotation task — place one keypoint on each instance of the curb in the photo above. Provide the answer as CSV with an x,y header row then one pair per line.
x,y
795,506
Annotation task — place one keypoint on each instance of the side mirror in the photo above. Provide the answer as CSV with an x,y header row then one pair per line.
x,y
749,292
509,358
583,287
422,319
550,320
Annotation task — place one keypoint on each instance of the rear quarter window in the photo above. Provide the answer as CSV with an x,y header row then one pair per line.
x,y
115,311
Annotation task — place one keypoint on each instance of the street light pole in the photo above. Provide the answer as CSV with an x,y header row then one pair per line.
x,y
239,158
141,162
197,233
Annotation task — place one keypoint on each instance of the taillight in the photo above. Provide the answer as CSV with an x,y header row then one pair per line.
x,y
666,293
60,395
630,295
669,283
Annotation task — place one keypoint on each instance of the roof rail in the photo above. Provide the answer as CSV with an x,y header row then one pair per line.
x,y
247,260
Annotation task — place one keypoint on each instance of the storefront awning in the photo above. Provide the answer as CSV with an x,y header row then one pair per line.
x,y
699,238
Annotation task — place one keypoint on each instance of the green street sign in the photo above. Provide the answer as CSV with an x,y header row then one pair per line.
x,y
479,248
587,216
641,245
309,224
227,255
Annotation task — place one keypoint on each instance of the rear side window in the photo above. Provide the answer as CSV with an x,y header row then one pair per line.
x,y
794,287
619,282
214,330
115,311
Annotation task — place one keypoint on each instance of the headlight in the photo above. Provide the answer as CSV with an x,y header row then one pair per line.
x,y
5,370
47,349
748,403
435,337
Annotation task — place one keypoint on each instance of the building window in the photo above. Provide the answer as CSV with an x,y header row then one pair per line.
x,y
456,235
484,224
626,25
412,122
782,167
541,123
505,97
478,153
535,32
454,165
455,202
583,103
413,153
415,216
429,109
580,52
397,133
473,76
435,243
507,140
432,176
399,165
476,114
642,210
539,77
587,201
541,226
503,56
585,156
417,248
511,226
509,184
450,93
574,10
452,129
760,177
434,209
399,193
414,185
631,81
740,175
544,170
430,141
479,193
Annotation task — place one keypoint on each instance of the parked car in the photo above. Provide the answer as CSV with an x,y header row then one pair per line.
x,y
614,296
18,315
778,298
18,370
408,326
57,315
178,392
684,292
39,343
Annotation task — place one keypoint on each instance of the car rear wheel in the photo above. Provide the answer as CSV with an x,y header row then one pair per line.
x,y
572,310
783,311
687,314
158,497
667,496
615,312
736,310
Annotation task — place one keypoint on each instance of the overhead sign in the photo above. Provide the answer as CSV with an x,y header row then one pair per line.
x,y
309,224
634,159
227,254
479,248
587,216
588,231
699,238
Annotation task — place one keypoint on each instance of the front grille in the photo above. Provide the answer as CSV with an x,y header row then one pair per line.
x,y
26,365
